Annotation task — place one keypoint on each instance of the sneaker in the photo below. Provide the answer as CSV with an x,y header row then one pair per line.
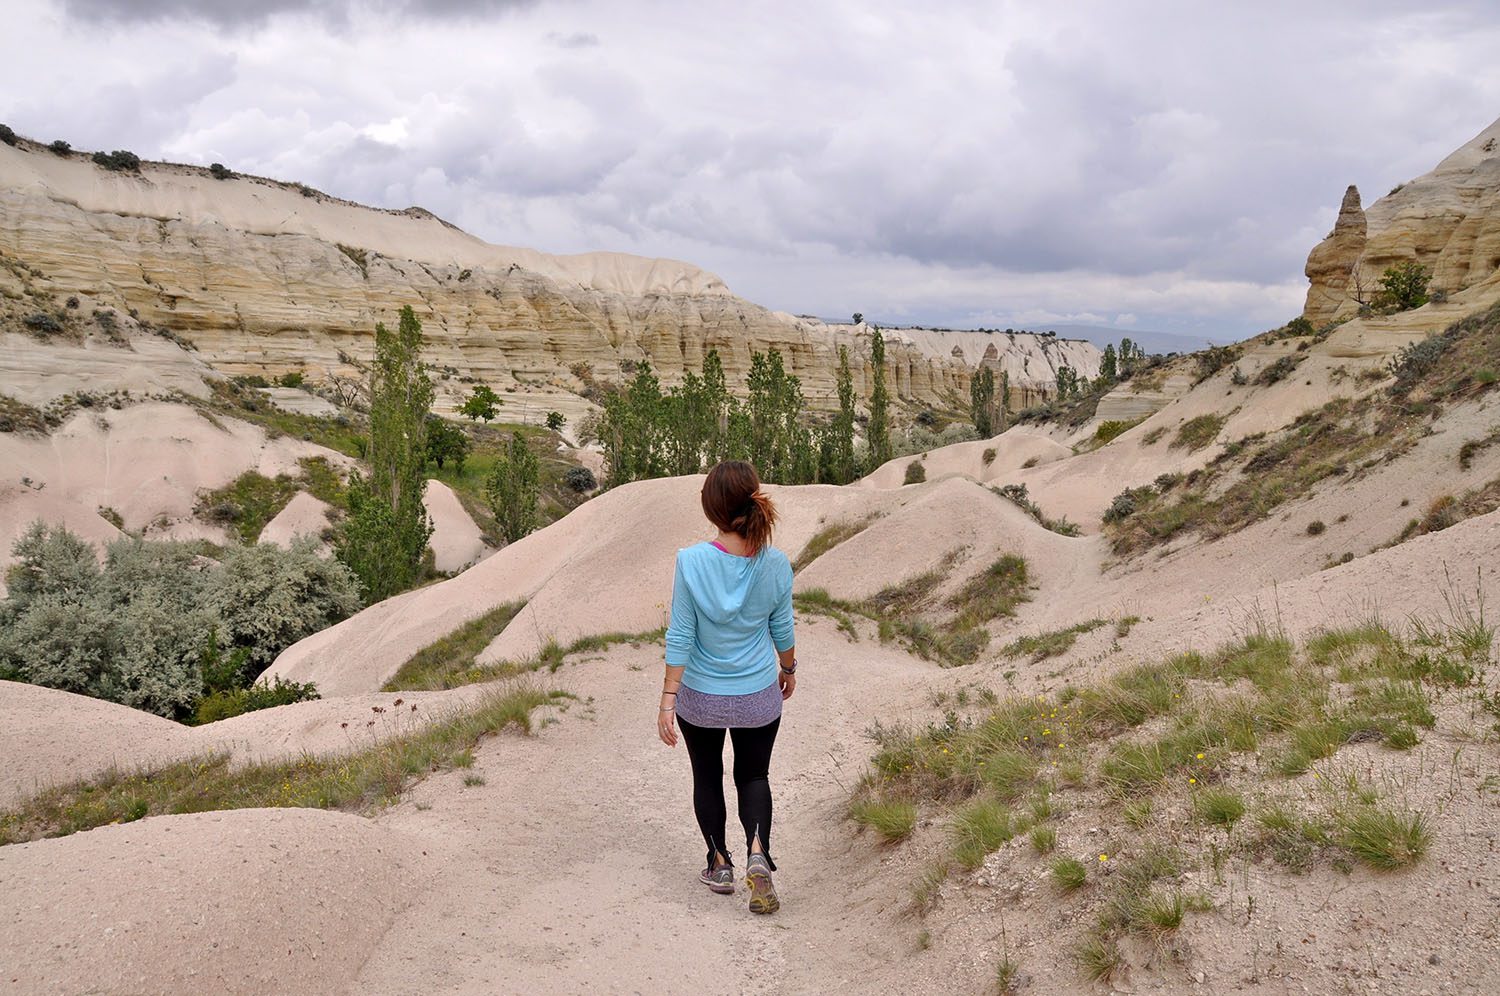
x,y
762,892
720,880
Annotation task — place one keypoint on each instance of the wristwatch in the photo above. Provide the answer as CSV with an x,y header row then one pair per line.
x,y
792,669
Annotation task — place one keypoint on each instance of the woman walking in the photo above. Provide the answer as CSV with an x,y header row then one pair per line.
x,y
731,661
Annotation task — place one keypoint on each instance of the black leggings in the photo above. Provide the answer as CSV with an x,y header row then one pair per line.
x,y
752,766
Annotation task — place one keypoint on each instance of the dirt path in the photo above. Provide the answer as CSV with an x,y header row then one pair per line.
x,y
573,867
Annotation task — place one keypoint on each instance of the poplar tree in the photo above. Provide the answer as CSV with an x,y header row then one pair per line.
x,y
513,489
982,401
879,430
386,531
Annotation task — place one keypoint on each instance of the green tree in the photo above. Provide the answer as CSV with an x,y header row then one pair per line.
x,y
482,403
513,489
384,546
982,401
837,446
556,420
1004,399
1130,355
377,545
858,317
1067,383
446,441
716,403
879,430
1403,287
1109,367
631,429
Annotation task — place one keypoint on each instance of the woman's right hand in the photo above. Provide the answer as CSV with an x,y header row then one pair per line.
x,y
788,683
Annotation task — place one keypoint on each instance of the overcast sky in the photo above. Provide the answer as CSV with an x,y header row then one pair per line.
x,y
1163,166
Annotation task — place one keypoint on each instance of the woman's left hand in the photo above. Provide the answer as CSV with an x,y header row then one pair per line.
x,y
788,683
666,726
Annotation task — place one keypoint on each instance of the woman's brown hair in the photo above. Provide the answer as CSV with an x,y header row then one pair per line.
x,y
733,501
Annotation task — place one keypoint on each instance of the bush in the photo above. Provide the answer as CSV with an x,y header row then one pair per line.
x,y
1127,503
1316,527
915,473
61,148
1403,287
1213,359
556,420
988,456
1414,360
580,479
219,172
1278,371
237,701
267,598
292,379
43,323
119,161
6,135
144,629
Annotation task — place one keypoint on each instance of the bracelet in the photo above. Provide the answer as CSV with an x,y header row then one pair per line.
x,y
665,692
667,709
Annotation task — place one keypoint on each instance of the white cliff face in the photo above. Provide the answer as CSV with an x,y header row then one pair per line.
x,y
266,277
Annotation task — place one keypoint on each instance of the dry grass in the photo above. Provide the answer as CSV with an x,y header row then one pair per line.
x,y
363,779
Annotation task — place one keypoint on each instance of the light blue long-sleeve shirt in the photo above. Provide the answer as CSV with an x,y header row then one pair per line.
x,y
730,617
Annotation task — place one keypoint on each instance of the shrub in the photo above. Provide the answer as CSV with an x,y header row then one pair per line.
x,y
1196,433
556,420
1278,371
1110,430
219,172
1127,502
915,473
6,135
267,598
42,323
1213,359
1403,287
291,379
142,630
237,701
580,479
988,456
119,161
1316,527
1414,360
60,148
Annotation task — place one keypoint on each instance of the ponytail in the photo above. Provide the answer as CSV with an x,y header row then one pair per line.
x,y
733,501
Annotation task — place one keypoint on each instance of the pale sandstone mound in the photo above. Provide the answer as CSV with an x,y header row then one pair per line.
x,y
304,515
456,541
249,901
50,737
1011,450
1448,220
144,462
605,567
923,525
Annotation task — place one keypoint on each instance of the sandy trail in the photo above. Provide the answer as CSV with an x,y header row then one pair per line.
x,y
573,868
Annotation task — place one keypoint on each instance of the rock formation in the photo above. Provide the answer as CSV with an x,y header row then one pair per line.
x,y
1332,263
1447,220
266,277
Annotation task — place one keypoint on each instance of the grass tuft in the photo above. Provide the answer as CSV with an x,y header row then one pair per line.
x,y
1070,874
1383,838
893,819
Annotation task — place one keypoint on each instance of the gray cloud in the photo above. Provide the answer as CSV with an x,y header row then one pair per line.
x,y
240,13
979,162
